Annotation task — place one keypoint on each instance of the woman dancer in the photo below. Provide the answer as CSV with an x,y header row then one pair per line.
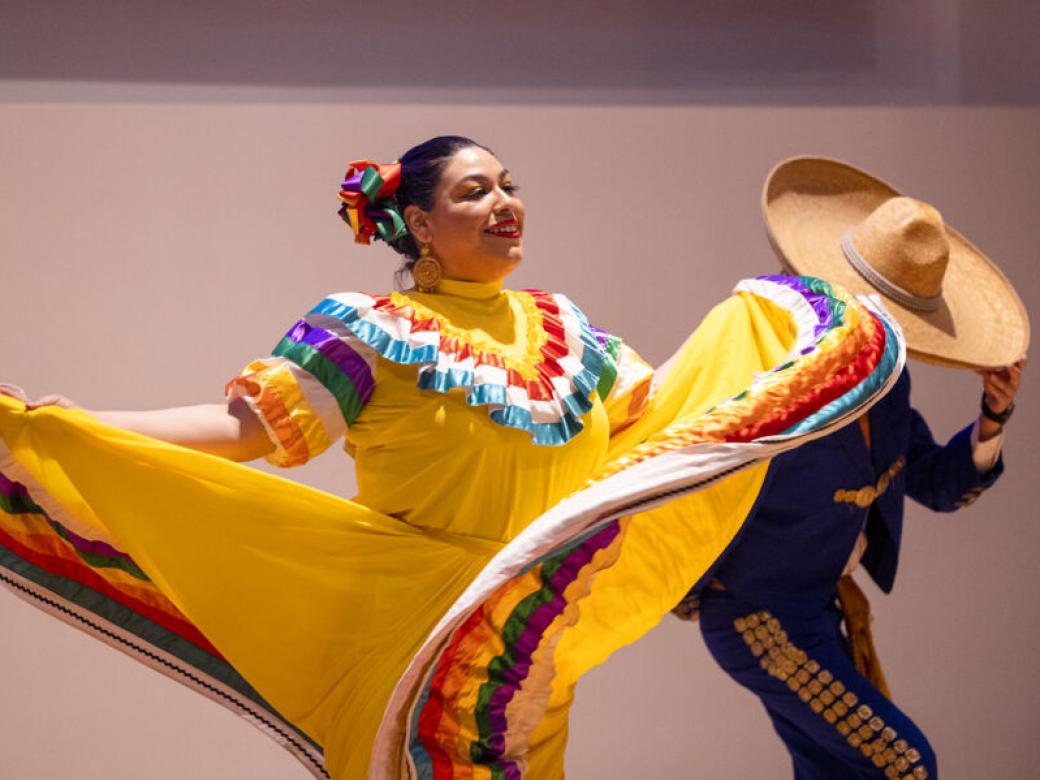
x,y
528,499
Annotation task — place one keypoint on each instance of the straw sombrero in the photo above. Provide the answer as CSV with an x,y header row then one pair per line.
x,y
827,219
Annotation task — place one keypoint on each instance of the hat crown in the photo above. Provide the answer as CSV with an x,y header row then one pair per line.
x,y
904,240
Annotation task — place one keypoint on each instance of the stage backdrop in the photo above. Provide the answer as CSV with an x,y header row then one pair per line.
x,y
159,228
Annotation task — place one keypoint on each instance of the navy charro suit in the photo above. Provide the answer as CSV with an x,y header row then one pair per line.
x,y
775,626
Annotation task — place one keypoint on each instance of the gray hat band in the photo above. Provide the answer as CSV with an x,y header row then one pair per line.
x,y
888,287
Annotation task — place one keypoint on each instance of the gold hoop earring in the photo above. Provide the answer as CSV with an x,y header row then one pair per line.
x,y
426,271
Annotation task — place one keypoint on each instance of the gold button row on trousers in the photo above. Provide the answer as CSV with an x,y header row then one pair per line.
x,y
828,697
866,495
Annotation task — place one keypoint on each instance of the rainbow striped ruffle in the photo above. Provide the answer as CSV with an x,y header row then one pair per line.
x,y
95,587
474,695
547,399
322,372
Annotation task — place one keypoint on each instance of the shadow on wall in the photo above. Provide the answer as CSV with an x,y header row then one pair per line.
x,y
717,51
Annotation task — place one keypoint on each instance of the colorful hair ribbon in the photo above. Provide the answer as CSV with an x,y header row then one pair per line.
x,y
367,195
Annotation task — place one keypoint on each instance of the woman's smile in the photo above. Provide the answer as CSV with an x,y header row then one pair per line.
x,y
509,228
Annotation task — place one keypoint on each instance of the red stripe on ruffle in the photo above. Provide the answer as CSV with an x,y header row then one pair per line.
x,y
80,573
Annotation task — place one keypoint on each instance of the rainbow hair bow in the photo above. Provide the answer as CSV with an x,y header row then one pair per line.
x,y
367,195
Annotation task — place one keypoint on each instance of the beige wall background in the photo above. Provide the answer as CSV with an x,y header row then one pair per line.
x,y
168,208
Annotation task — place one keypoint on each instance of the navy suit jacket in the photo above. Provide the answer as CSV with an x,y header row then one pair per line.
x,y
793,548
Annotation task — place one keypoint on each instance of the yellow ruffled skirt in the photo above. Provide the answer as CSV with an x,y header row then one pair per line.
x,y
400,652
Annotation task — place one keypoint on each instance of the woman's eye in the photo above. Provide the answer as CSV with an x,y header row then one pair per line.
x,y
479,192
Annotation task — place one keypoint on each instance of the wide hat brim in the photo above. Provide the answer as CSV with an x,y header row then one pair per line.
x,y
809,202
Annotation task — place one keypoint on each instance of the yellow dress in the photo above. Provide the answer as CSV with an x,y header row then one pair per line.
x,y
528,502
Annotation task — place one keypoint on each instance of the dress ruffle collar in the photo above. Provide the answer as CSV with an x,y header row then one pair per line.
x,y
546,396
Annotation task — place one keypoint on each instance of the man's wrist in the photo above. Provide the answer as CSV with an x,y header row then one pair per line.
x,y
987,429
1000,418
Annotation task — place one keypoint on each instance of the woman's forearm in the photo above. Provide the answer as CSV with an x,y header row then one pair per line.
x,y
229,430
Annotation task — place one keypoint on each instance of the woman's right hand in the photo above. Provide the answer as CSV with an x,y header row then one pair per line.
x,y
52,400
14,391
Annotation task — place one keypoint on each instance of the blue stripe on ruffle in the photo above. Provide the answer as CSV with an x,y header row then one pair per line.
x,y
854,397
423,762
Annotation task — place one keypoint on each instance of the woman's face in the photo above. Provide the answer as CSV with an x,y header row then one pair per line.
x,y
475,226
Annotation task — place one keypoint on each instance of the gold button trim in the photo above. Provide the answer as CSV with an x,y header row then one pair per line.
x,y
868,494
827,697
970,496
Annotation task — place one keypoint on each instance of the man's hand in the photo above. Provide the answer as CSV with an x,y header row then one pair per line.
x,y
999,387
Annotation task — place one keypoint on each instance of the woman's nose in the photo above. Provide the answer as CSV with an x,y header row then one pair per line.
x,y
505,201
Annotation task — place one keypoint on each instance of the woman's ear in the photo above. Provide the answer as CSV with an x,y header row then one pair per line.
x,y
418,224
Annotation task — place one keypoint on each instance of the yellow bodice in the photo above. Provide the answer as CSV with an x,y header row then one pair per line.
x,y
433,460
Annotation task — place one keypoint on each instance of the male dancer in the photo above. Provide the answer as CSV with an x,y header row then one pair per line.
x,y
770,613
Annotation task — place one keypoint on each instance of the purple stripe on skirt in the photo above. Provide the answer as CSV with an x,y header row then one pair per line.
x,y
525,645
89,546
11,488
817,301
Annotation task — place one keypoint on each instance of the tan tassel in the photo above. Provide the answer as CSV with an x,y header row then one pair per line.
x,y
856,610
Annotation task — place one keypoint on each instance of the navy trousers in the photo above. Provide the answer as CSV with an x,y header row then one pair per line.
x,y
834,722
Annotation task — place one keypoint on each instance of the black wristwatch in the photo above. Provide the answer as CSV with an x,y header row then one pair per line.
x,y
989,414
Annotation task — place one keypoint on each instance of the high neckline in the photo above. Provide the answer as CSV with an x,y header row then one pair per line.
x,y
474,290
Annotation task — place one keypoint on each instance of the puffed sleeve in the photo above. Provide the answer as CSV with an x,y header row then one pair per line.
x,y
310,390
626,384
